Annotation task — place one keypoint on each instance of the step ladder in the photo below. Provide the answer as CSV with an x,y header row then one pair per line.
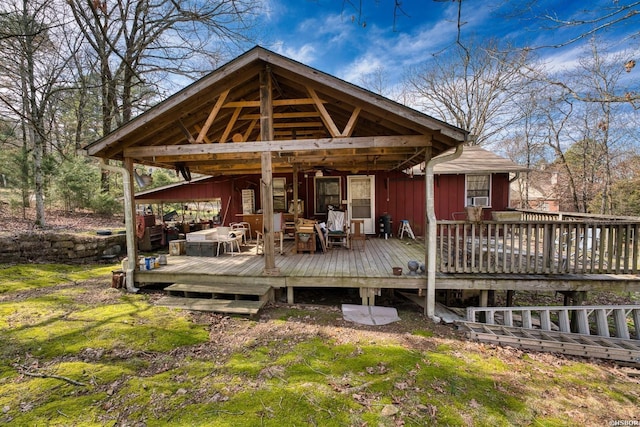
x,y
621,350
609,332
405,227
601,320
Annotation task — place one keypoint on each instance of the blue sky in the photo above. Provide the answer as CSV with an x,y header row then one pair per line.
x,y
329,34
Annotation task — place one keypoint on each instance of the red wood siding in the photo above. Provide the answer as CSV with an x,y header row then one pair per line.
x,y
398,195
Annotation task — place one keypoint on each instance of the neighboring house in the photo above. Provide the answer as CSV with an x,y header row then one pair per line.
x,y
536,190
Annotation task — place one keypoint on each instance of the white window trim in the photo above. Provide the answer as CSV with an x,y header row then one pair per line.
x,y
488,205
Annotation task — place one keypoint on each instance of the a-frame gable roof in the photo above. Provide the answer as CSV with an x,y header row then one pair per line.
x,y
214,125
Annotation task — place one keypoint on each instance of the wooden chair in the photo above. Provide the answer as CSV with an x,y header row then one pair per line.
x,y
337,231
357,233
278,231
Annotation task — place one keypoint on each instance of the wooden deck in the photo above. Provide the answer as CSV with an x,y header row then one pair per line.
x,y
337,268
369,270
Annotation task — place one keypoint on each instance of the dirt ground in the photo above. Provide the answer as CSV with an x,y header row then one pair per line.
x,y
15,221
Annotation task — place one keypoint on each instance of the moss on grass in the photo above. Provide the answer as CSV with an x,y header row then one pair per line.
x,y
24,277
159,367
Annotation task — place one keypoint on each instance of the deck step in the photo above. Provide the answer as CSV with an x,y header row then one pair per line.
x,y
231,289
214,305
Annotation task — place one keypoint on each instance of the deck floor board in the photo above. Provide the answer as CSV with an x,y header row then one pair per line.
x,y
341,267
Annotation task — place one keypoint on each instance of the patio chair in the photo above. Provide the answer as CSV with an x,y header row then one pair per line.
x,y
337,230
225,237
245,228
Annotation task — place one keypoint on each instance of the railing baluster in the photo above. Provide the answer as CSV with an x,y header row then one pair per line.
x,y
634,251
472,240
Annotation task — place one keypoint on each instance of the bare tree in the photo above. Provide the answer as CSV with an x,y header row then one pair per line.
x,y
588,138
527,144
474,87
135,46
30,37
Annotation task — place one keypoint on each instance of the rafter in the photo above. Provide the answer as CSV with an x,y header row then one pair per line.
x,y
324,114
212,116
231,124
348,129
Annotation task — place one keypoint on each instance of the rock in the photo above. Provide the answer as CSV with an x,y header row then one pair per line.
x,y
389,410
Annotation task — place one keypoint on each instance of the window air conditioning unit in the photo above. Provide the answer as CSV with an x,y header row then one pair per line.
x,y
479,201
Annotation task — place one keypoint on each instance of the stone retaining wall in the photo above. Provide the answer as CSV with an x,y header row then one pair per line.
x,y
42,246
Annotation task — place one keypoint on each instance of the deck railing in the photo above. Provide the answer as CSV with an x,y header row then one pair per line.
x,y
572,246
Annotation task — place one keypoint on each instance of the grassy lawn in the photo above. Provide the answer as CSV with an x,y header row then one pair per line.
x,y
77,353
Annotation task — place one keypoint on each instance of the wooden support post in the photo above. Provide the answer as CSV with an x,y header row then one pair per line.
x,y
266,134
510,295
290,295
295,193
368,296
563,321
508,318
484,298
577,298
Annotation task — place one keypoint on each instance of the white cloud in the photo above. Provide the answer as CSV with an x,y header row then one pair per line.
x,y
304,53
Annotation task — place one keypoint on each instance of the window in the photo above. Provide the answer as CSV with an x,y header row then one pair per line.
x,y
327,193
478,190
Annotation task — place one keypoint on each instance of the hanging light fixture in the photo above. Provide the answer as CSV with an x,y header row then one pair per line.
x,y
143,180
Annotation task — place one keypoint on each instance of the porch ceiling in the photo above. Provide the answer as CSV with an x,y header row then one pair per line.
x,y
214,126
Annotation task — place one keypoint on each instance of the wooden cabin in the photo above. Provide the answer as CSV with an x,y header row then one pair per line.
x,y
266,114
288,132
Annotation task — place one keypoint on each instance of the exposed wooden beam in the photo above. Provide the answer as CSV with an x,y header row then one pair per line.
x,y
276,103
348,129
186,132
291,115
212,116
304,145
324,114
290,125
247,133
231,124
199,129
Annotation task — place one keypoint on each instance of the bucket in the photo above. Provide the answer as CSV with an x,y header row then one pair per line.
x,y
117,279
